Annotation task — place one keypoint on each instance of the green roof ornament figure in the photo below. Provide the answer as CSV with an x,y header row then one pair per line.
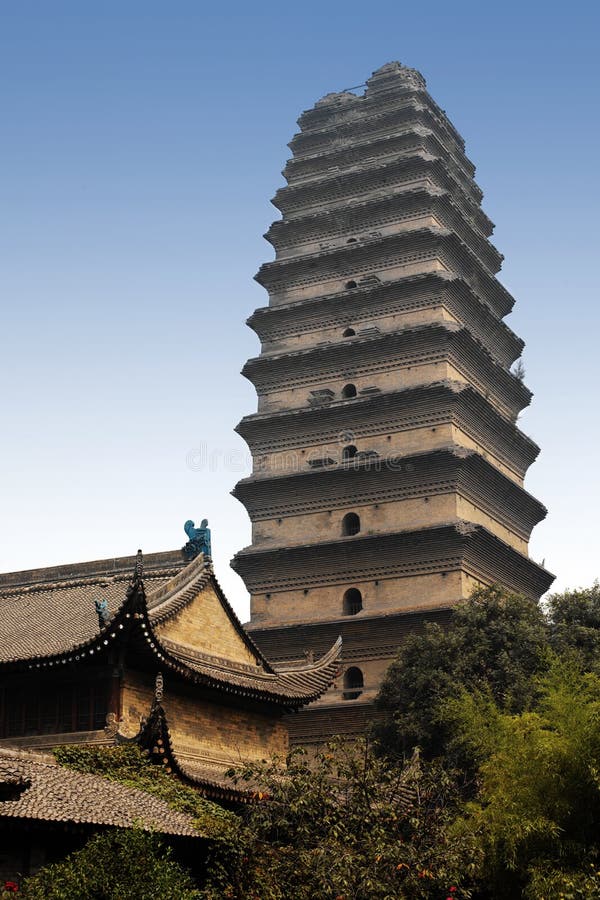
x,y
198,540
102,611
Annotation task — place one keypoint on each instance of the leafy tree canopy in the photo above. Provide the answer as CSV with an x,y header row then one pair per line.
x,y
496,640
574,624
346,826
538,805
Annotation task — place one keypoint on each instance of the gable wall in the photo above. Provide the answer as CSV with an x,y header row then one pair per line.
x,y
204,625
211,732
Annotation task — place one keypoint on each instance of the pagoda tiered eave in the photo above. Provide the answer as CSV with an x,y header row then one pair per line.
x,y
363,117
275,325
366,480
340,157
387,258
425,407
372,218
397,176
384,634
454,547
380,154
375,353
388,468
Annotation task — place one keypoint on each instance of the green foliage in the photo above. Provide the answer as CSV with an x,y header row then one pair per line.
x,y
538,807
346,825
129,765
496,640
115,865
574,623
509,693
550,884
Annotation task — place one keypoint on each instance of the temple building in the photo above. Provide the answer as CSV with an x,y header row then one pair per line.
x,y
388,465
148,651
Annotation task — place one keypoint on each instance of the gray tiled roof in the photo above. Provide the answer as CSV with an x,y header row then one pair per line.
x,y
44,612
38,788
299,686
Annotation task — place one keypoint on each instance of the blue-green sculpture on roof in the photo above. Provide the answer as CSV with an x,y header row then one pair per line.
x,y
198,539
102,611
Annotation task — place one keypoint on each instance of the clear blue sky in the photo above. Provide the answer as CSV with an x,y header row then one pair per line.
x,y
140,143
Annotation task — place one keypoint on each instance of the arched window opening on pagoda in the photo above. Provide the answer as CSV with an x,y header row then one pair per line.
x,y
352,602
349,452
349,391
353,683
351,284
349,332
351,241
350,525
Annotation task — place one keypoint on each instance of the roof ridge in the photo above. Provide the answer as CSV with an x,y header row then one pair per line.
x,y
263,684
168,599
323,660
82,571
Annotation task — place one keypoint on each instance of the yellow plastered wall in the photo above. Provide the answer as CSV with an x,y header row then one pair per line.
x,y
137,694
204,625
226,734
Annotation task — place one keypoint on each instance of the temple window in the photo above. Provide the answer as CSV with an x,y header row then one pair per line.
x,y
54,709
350,524
352,602
349,332
349,452
353,683
351,284
349,391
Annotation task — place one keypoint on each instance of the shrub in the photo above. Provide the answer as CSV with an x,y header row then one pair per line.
x,y
115,865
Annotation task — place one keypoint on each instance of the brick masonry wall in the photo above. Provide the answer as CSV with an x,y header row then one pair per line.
x,y
380,518
212,731
389,594
204,624
386,323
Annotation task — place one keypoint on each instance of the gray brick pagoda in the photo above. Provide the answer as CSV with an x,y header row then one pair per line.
x,y
388,465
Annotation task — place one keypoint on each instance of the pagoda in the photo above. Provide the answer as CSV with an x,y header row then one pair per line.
x,y
388,465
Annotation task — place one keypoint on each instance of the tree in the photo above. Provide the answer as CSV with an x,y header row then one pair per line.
x,y
345,825
574,623
115,865
496,639
537,811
